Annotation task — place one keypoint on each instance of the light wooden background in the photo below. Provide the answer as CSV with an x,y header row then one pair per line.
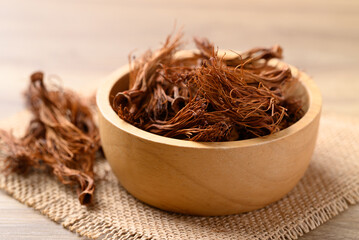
x,y
82,41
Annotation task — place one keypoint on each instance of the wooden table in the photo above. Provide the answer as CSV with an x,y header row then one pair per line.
x,y
82,42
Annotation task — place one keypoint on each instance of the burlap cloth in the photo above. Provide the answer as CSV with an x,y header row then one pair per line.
x,y
329,186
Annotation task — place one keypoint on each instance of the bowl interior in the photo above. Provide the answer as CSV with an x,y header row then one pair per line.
x,y
120,85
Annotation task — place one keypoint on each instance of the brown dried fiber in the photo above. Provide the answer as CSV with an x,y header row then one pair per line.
x,y
206,97
62,138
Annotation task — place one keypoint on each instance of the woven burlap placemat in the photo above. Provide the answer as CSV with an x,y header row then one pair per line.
x,y
329,186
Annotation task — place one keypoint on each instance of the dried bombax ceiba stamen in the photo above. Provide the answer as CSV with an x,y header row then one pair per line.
x,y
207,97
62,137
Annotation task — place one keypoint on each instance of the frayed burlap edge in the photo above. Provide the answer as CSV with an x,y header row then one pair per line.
x,y
80,223
83,225
317,218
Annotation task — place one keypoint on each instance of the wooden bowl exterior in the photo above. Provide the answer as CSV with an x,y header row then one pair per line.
x,y
207,178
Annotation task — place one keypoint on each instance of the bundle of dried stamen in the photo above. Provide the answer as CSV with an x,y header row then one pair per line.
x,y
206,97
62,137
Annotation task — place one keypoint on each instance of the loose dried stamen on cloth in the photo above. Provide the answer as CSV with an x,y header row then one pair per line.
x,y
62,137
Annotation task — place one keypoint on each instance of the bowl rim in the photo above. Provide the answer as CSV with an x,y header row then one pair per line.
x,y
105,109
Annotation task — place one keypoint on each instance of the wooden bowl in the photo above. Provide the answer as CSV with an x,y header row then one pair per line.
x,y
207,178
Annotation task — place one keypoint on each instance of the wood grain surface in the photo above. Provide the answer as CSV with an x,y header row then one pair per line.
x,y
82,41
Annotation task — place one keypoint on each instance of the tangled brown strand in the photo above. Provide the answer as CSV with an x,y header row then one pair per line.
x,y
62,137
206,97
